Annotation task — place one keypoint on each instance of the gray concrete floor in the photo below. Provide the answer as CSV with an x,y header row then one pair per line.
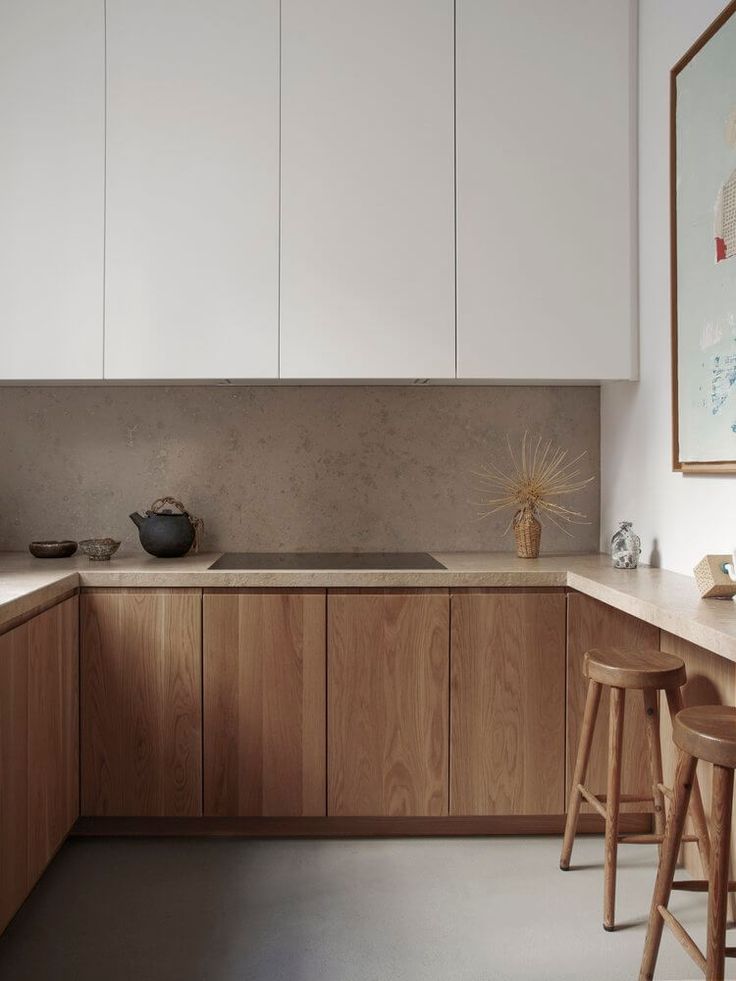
x,y
395,910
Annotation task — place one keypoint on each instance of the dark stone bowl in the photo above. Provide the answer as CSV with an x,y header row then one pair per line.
x,y
52,550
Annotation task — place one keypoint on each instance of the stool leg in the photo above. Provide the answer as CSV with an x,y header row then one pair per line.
x,y
615,746
697,813
651,721
668,861
592,702
720,822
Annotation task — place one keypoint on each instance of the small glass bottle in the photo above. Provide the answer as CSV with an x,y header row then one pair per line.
x,y
625,547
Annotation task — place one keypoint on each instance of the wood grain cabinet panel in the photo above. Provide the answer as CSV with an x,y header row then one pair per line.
x,y
593,624
387,702
39,748
141,684
507,706
14,864
53,730
264,703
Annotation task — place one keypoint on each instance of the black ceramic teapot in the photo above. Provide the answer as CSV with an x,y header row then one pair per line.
x,y
167,533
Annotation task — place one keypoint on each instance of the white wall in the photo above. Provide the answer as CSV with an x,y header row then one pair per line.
x,y
679,518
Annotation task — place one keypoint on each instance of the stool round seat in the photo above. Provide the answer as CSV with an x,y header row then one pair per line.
x,y
707,732
620,667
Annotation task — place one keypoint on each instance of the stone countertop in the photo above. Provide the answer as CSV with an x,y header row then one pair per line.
x,y
666,599
24,586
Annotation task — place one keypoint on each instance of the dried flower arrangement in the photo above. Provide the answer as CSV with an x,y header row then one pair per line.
x,y
539,473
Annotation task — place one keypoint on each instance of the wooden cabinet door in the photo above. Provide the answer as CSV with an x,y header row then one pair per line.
x,y
141,691
264,703
15,880
593,624
550,190
507,705
53,731
192,194
367,189
52,188
39,747
387,702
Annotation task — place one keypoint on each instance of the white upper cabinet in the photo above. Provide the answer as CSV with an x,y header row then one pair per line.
x,y
367,213
545,189
52,148
317,189
191,283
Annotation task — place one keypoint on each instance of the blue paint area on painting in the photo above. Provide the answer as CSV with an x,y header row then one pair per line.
x,y
723,378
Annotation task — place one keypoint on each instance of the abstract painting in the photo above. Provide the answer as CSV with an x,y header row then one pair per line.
x,y
703,200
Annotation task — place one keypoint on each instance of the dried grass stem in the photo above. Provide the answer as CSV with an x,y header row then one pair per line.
x,y
539,473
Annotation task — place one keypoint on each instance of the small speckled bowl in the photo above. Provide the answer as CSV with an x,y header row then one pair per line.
x,y
52,550
99,549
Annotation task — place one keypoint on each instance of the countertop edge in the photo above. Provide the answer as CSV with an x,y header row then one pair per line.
x,y
35,597
420,579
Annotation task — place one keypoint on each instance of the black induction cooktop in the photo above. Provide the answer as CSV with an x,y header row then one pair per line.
x,y
327,561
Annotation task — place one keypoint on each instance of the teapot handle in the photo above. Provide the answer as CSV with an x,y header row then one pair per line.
x,y
195,522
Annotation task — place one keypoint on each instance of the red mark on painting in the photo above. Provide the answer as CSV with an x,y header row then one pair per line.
x,y
720,249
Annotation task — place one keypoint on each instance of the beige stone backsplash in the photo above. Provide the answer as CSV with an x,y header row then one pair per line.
x,y
271,468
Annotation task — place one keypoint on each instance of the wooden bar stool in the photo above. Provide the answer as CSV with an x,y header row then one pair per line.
x,y
705,733
619,670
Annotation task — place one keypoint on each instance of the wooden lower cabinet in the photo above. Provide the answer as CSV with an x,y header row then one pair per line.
x,y
264,703
507,705
593,624
53,730
141,702
15,880
39,747
387,702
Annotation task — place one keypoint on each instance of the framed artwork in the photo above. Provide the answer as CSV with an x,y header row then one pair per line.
x,y
703,250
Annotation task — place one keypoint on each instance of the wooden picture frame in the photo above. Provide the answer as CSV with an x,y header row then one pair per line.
x,y
686,467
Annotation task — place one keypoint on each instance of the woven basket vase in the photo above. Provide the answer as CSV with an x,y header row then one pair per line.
x,y
528,534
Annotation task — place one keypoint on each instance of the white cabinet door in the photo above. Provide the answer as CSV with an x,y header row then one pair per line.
x,y
367,251
191,282
52,149
545,192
